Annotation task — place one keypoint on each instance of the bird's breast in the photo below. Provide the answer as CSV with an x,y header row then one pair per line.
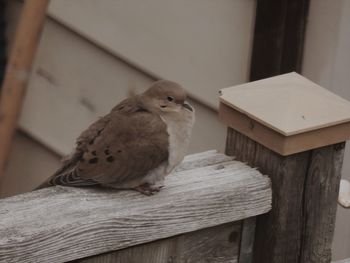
x,y
179,131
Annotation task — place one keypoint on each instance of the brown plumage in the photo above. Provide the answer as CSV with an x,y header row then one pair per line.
x,y
134,146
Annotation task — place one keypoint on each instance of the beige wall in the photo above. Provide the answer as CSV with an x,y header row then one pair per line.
x,y
203,44
327,62
88,75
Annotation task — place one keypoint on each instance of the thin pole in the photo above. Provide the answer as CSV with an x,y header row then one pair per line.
x,y
17,73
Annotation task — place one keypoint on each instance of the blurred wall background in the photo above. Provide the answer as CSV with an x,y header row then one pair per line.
x,y
92,52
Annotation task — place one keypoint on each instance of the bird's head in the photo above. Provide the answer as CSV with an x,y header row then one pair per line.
x,y
167,97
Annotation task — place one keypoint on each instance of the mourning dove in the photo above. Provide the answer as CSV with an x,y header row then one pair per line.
x,y
135,146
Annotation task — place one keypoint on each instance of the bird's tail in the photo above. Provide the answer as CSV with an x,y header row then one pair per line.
x,y
67,176
66,168
43,185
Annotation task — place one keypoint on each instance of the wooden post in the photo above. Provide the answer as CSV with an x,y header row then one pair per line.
x,y
17,72
294,131
278,37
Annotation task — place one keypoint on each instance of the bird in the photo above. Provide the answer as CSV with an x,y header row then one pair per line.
x,y
139,142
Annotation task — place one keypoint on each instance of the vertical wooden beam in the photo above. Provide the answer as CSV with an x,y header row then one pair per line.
x,y
300,226
17,73
278,37
247,240
278,233
320,203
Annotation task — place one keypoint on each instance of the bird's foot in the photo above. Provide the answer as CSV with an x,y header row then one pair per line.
x,y
148,189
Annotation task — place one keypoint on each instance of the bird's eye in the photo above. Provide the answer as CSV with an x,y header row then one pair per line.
x,y
169,98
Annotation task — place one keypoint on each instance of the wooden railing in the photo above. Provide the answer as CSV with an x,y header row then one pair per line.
x,y
196,217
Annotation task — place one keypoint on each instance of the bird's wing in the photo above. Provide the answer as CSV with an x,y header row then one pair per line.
x,y
120,147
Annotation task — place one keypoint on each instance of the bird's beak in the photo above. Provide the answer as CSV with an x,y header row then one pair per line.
x,y
187,106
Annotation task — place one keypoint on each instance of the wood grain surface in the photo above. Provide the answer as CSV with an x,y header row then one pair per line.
x,y
218,244
320,203
278,233
59,224
300,226
247,240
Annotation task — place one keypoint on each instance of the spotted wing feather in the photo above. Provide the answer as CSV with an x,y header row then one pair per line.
x,y
121,147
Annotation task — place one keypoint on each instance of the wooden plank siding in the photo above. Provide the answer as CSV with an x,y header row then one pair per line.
x,y
204,52
82,78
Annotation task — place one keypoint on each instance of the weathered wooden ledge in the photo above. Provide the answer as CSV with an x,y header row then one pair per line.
x,y
60,224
